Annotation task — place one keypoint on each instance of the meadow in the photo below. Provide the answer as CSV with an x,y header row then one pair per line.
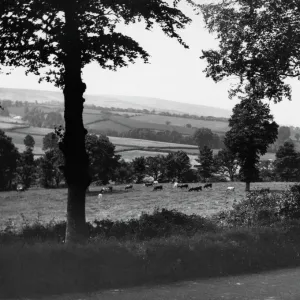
x,y
216,126
51,204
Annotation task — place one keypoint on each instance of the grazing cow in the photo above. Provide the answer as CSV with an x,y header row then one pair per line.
x,y
206,186
148,184
158,187
196,189
20,188
182,186
106,189
99,196
155,182
128,187
230,188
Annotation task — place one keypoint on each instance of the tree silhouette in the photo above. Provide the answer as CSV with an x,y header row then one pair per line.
x,y
252,130
55,39
258,45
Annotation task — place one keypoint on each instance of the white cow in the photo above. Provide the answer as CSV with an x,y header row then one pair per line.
x,y
99,196
175,184
155,182
230,188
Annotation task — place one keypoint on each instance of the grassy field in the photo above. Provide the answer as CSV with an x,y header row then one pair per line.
x,y
158,119
121,204
147,143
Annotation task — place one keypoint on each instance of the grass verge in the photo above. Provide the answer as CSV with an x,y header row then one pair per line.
x,y
53,268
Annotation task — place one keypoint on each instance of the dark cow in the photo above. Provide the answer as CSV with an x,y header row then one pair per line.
x,y
183,186
158,187
128,187
149,184
196,189
206,186
110,189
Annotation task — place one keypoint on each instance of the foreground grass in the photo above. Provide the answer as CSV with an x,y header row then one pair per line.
x,y
123,205
53,268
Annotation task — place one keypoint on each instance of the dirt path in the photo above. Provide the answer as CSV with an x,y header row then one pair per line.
x,y
276,285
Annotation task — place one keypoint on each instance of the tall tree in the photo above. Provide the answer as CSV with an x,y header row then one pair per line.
x,y
252,130
259,45
177,165
297,136
203,137
55,40
50,141
207,163
9,156
155,166
287,163
103,160
26,169
29,141
227,163
139,168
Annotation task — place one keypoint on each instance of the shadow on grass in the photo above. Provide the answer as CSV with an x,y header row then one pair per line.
x,y
45,269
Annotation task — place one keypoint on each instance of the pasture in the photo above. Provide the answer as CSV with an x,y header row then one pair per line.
x,y
217,126
51,204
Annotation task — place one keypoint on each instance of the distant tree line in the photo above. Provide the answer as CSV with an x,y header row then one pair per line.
x,y
164,136
154,112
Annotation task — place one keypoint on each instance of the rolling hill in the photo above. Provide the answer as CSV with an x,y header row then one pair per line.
x,y
117,101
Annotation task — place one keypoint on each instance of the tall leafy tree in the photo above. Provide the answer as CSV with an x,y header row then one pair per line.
x,y
29,141
9,156
252,130
203,137
227,163
26,169
155,166
259,45
50,141
177,165
55,40
297,136
103,160
287,163
207,163
139,167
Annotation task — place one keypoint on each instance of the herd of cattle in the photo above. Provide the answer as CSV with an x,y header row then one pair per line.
x,y
157,187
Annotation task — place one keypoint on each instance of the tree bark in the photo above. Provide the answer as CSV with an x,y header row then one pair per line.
x,y
76,168
247,187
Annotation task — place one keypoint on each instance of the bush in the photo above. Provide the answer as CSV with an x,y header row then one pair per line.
x,y
258,208
263,208
159,224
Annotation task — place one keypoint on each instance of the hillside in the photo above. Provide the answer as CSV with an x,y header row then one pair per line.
x,y
117,101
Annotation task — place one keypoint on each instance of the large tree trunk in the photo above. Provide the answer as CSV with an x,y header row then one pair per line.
x,y
247,187
76,169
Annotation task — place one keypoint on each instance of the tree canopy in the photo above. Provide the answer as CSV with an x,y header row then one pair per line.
x,y
252,129
33,32
259,44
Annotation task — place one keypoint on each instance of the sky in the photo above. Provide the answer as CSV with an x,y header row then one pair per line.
x,y
174,73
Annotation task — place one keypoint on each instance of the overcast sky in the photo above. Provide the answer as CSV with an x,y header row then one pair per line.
x,y
174,73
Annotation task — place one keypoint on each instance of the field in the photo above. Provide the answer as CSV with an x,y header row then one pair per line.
x,y
216,126
51,203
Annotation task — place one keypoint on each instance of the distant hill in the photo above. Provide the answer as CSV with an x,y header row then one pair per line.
x,y
120,101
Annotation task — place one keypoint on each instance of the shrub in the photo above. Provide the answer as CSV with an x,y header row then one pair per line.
x,y
263,208
290,203
159,224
